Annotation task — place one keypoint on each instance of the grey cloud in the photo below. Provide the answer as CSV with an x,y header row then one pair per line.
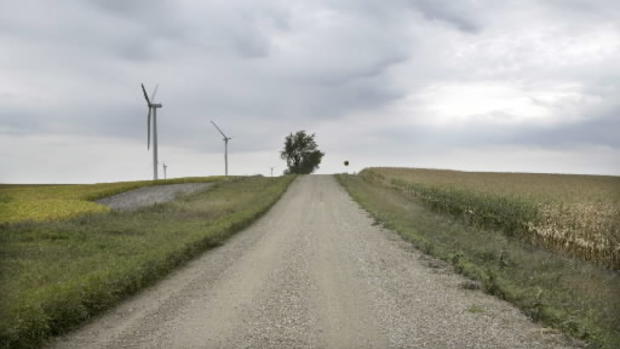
x,y
587,9
18,122
134,8
598,131
601,131
461,14
265,69
345,75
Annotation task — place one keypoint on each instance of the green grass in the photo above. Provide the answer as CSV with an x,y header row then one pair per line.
x,y
56,274
476,309
48,202
577,215
578,297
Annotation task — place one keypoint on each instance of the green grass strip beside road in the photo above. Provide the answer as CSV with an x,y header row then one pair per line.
x,y
54,275
577,297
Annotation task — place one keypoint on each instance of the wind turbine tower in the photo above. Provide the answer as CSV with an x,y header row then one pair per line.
x,y
152,110
226,139
165,168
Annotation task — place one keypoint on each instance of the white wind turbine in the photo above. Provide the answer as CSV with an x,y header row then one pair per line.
x,y
165,168
226,139
152,109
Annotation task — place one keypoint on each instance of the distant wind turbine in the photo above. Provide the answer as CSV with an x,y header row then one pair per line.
x,y
165,168
226,139
152,109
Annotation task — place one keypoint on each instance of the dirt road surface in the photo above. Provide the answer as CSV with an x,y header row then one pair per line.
x,y
151,195
313,273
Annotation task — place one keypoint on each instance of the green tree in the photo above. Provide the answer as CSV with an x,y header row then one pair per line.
x,y
301,153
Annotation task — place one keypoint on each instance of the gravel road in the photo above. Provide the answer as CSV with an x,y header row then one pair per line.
x,y
151,195
313,273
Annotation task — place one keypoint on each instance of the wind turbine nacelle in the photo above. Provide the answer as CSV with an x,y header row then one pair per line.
x,y
156,105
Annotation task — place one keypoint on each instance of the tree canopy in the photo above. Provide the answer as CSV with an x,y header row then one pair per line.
x,y
301,153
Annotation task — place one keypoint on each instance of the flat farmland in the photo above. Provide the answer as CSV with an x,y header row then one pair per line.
x,y
49,202
574,214
57,273
489,226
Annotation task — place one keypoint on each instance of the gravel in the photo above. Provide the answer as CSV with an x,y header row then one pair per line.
x,y
313,273
151,195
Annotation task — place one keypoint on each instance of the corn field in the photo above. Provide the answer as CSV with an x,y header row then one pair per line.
x,y
578,215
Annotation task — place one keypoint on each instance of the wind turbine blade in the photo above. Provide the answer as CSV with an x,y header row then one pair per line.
x,y
146,96
148,129
154,92
223,135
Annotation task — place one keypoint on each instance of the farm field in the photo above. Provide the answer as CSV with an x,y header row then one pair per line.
x,y
47,202
578,215
55,274
429,208
314,272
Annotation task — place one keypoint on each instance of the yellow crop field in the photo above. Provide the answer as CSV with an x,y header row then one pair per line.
x,y
45,202
574,214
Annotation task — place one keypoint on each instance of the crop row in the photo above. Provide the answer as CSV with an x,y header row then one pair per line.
x,y
589,229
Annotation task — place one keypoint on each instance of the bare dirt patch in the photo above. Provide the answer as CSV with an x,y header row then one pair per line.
x,y
147,196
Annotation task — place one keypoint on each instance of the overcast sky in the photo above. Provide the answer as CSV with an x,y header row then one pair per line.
x,y
521,85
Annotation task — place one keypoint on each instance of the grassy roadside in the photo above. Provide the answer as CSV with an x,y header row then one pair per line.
x,y
19,202
54,275
577,297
